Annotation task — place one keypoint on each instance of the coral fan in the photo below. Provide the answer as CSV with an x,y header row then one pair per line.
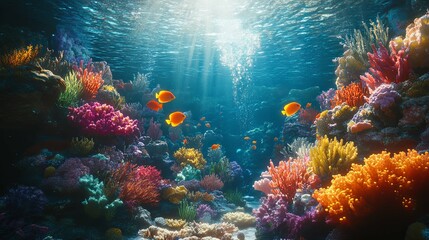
x,y
20,56
352,94
102,119
211,182
288,177
331,157
190,156
385,68
385,191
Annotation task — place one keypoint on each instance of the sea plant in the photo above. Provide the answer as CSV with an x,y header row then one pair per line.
x,y
187,211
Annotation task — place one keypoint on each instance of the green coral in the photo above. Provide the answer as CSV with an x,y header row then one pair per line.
x,y
97,204
187,211
235,197
188,173
81,146
331,157
222,169
73,92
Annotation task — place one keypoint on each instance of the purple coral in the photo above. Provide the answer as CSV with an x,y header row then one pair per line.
x,y
272,212
102,120
325,98
24,201
235,170
205,210
66,178
154,131
384,97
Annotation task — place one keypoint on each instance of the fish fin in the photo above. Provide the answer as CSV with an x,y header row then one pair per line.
x,y
160,106
168,121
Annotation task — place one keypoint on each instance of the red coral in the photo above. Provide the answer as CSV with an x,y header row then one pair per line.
x,y
211,182
353,94
91,81
385,68
149,172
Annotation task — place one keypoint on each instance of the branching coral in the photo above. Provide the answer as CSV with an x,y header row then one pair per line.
x,y
331,157
19,57
239,219
385,68
211,182
352,94
190,156
394,186
288,177
91,81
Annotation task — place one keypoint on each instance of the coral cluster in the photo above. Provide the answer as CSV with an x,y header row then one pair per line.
x,y
211,182
91,81
239,219
352,94
101,119
385,186
175,194
331,157
20,57
190,156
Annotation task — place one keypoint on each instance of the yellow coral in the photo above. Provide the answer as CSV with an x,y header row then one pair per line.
x,y
175,223
331,157
394,184
81,146
190,156
175,194
417,42
239,219
20,56
349,69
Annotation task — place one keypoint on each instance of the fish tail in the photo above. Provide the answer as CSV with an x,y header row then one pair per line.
x,y
284,112
167,121
156,95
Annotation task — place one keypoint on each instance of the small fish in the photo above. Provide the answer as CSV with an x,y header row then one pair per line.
x,y
154,105
165,96
175,119
198,124
291,108
203,119
276,139
308,105
185,141
254,142
207,125
246,138
215,146
253,147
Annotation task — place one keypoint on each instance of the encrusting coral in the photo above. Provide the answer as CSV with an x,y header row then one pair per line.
x,y
385,191
190,156
331,157
239,219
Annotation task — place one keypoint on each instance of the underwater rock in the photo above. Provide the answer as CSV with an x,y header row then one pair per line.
x,y
143,217
28,95
157,149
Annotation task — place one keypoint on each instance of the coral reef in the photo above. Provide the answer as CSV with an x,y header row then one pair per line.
x,y
352,94
330,157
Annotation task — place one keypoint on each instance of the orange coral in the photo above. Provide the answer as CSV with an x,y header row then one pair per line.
x,y
353,94
20,56
91,83
288,177
394,186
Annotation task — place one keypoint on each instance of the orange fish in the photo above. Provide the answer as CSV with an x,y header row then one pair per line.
x,y
207,125
317,116
246,138
254,142
175,119
308,105
276,139
165,96
291,108
185,141
253,147
154,105
215,146
203,119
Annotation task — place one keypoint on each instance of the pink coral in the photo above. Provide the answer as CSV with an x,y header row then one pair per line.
x,y
211,182
263,185
385,68
102,119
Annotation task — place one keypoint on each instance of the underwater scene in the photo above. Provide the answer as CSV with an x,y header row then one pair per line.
x,y
214,119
